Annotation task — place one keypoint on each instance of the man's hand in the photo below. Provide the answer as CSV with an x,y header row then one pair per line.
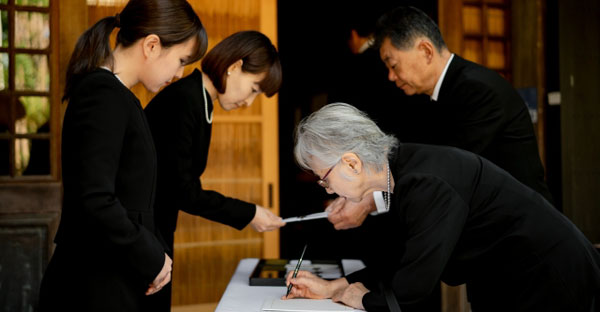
x,y
344,214
265,220
163,277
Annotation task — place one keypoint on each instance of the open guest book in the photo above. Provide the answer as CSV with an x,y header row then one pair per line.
x,y
300,305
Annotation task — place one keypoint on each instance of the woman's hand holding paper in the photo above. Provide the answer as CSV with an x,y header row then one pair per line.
x,y
264,220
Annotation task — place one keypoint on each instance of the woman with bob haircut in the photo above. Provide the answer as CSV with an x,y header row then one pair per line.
x,y
108,256
234,72
453,215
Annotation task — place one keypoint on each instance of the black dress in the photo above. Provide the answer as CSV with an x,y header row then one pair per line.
x,y
177,117
457,217
106,249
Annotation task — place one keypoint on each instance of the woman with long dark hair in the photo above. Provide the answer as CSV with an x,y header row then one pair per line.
x,y
109,255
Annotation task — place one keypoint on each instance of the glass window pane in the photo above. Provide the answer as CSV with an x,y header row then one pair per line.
x,y
32,30
39,3
31,72
472,20
3,1
39,158
33,115
4,70
22,148
4,113
4,25
495,55
4,160
473,51
495,20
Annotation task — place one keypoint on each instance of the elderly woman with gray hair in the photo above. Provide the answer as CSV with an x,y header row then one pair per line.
x,y
453,215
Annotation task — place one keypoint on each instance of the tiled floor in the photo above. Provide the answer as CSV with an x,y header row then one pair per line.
x,y
206,307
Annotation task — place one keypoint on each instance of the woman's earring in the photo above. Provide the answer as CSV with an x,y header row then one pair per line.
x,y
228,73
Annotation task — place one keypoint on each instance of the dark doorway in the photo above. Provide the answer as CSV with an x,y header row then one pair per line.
x,y
312,40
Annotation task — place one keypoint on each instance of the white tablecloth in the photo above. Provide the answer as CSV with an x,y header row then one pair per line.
x,y
241,297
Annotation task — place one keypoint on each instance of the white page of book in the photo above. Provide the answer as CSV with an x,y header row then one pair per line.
x,y
300,305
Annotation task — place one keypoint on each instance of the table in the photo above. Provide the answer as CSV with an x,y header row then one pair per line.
x,y
239,296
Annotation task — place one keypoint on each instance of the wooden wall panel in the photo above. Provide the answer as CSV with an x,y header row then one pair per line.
x,y
528,53
450,19
206,284
235,151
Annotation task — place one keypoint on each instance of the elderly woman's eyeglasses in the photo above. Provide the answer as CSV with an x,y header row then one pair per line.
x,y
322,181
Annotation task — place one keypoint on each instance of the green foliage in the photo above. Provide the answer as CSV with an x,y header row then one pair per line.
x,y
37,111
43,3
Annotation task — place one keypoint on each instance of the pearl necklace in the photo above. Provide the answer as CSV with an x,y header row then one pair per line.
x,y
387,196
208,119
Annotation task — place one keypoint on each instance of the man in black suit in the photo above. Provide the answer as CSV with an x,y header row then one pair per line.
x,y
471,107
474,108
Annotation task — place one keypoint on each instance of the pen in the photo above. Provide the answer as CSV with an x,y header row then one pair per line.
x,y
296,270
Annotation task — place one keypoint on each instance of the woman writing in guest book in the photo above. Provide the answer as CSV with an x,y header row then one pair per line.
x,y
234,72
454,216
108,256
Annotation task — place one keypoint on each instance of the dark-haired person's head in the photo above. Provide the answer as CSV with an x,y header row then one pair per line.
x,y
403,25
242,60
411,46
173,22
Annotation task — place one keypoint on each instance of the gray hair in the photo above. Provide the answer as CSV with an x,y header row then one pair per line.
x,y
339,128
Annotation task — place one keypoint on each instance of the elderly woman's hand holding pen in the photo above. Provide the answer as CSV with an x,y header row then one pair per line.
x,y
308,285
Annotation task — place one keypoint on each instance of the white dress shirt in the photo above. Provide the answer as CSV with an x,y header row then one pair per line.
x,y
438,85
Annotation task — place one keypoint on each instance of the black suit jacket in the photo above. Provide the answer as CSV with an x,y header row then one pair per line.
x,y
107,252
479,111
457,217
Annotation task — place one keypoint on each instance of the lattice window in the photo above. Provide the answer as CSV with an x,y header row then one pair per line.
x,y
486,28
25,90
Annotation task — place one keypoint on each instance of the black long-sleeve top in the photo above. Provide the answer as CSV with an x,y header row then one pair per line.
x,y
457,217
107,249
182,138
109,174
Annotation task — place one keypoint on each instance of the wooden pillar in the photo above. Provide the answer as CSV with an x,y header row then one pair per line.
x,y
580,113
